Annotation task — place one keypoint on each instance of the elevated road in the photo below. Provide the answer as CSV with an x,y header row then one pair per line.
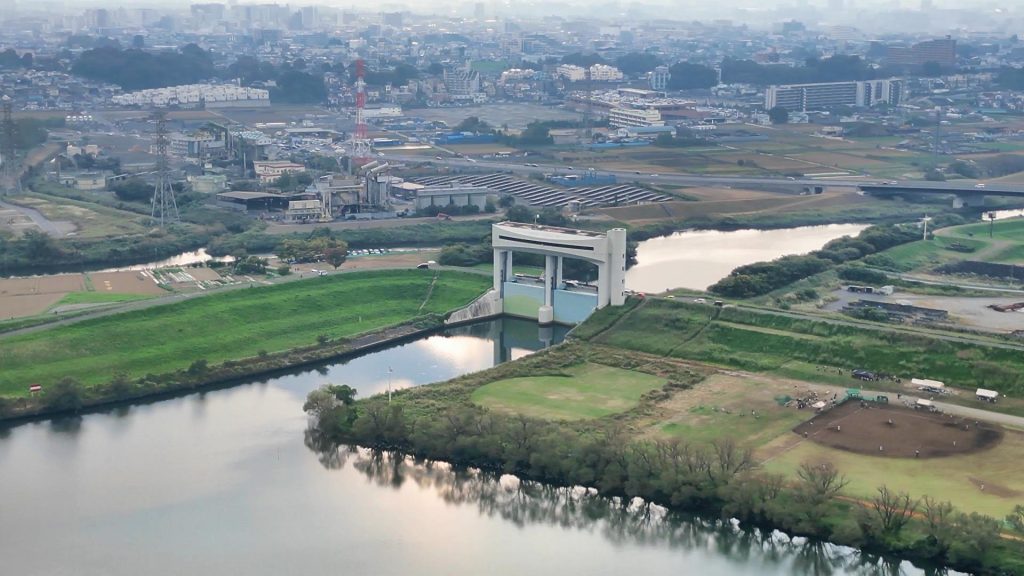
x,y
967,190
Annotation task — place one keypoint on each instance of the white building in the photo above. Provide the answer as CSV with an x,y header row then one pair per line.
x,y
634,118
269,170
598,73
804,97
605,73
190,95
659,78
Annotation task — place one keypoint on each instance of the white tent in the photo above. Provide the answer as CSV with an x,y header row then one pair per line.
x,y
987,395
925,384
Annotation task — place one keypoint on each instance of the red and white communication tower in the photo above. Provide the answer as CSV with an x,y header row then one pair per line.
x,y
359,147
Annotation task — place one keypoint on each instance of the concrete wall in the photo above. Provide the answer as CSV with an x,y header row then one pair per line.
x,y
486,306
523,300
573,307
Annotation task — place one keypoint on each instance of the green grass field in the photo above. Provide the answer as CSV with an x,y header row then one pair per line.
x,y
231,325
587,391
100,298
956,478
768,342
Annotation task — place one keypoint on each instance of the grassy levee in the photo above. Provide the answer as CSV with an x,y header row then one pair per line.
x,y
229,326
765,341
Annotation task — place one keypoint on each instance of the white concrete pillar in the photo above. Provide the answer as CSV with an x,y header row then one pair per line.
x,y
549,281
508,266
602,286
617,266
558,274
499,271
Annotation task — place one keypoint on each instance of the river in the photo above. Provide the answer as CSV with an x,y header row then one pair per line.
x,y
696,259
221,482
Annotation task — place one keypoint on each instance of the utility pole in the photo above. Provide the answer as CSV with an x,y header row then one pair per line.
x,y
165,207
8,134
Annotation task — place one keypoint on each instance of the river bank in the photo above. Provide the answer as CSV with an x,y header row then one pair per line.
x,y
223,337
496,421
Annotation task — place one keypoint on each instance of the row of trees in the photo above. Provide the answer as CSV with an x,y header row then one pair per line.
x,y
763,277
135,69
319,245
720,477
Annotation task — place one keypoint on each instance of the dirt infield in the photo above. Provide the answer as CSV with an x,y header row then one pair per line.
x,y
865,428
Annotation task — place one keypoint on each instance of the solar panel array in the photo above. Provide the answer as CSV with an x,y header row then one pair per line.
x,y
536,194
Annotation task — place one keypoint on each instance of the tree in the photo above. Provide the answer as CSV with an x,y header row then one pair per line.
x,y
778,115
687,76
1016,518
636,63
335,255
38,245
931,69
938,517
889,512
132,190
820,481
474,124
342,392
64,396
582,60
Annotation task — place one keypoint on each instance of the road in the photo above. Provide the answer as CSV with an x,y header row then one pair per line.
x,y
56,229
518,167
625,175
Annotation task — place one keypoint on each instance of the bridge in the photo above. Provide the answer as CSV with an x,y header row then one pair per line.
x,y
551,298
964,195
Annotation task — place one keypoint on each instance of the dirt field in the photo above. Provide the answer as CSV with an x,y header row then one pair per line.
x,y
125,283
20,297
898,432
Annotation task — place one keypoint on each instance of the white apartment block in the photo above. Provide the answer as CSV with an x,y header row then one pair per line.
x,y
193,94
634,118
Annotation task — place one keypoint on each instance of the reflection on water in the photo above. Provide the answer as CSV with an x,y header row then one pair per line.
x,y
699,546
183,259
697,259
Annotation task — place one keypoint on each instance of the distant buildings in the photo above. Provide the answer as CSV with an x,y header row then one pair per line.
x,y
598,73
804,97
462,84
634,118
942,51
269,170
659,78
189,95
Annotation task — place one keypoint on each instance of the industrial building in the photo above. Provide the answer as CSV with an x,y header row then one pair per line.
x,y
269,170
804,97
453,195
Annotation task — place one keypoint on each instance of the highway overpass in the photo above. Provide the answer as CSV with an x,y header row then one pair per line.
x,y
969,194
965,193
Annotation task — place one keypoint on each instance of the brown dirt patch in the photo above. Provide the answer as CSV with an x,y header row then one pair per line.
x,y
126,282
24,305
864,427
994,489
61,283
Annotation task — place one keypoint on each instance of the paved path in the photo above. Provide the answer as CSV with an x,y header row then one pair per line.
x,y
53,228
